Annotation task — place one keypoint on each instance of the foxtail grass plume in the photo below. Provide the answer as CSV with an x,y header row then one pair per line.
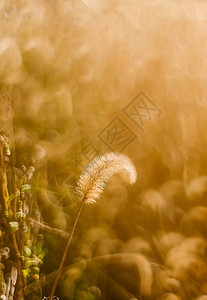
x,y
99,171
90,186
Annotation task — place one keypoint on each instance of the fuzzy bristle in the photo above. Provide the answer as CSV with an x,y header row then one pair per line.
x,y
95,176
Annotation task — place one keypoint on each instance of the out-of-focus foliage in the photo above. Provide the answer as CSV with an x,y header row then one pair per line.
x,y
22,247
67,68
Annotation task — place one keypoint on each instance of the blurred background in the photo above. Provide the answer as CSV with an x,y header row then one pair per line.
x,y
81,78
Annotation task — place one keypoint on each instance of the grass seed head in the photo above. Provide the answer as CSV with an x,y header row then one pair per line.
x,y
99,171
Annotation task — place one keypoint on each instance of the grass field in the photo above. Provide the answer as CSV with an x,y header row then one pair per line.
x,y
83,78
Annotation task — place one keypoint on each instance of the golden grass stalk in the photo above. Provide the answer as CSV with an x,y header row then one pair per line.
x,y
90,186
